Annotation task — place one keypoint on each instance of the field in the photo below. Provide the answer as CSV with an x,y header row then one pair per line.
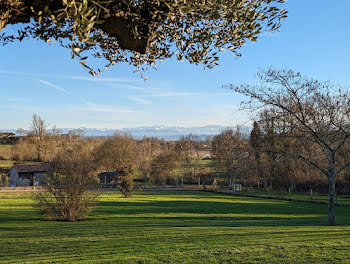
x,y
7,164
299,196
176,227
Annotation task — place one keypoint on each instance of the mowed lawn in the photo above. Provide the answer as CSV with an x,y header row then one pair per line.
x,y
176,227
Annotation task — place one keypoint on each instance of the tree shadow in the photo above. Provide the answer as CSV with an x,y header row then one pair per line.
x,y
251,211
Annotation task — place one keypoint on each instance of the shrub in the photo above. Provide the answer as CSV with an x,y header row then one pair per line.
x,y
4,180
70,190
126,184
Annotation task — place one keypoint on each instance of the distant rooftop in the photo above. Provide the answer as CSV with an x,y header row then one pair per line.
x,y
21,168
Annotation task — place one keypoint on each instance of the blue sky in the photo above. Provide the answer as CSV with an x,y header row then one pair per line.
x,y
40,78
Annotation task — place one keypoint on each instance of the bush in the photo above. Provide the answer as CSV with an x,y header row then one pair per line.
x,y
127,185
4,180
70,190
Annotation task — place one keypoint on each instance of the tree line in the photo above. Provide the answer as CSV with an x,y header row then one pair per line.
x,y
299,140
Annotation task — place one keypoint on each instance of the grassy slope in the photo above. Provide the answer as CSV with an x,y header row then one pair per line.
x,y
176,227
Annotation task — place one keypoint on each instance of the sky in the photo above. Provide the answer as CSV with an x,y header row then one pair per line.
x,y
39,78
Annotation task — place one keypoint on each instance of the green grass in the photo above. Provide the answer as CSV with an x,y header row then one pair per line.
x,y
7,164
176,227
298,196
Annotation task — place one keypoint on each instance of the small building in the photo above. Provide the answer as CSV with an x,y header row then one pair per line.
x,y
7,135
28,175
108,177
7,138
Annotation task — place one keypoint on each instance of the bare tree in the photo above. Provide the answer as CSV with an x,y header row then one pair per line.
x,y
69,190
38,126
188,149
164,165
119,153
148,149
318,113
38,129
228,149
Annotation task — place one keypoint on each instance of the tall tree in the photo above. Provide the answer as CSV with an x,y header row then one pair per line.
x,y
119,153
256,142
148,149
188,148
228,149
318,113
143,31
38,129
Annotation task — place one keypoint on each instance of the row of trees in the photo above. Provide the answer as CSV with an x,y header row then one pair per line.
x,y
301,135
303,120
152,160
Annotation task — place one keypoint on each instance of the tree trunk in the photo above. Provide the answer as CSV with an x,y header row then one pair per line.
x,y
331,201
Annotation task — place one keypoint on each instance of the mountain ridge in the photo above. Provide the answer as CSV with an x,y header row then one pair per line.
x,y
164,132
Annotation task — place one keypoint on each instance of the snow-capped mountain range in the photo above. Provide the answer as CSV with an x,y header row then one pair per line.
x,y
165,132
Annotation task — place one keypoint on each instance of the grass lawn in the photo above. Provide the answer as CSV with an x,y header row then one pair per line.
x,y
7,164
298,196
176,227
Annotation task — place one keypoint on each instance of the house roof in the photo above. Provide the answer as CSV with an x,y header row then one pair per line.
x,y
31,168
7,134
109,173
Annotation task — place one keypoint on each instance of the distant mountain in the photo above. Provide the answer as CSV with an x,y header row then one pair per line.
x,y
164,132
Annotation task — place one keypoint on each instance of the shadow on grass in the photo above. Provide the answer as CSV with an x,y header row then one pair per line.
x,y
210,213
201,210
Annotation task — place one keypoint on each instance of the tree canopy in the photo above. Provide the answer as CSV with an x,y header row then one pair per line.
x,y
143,32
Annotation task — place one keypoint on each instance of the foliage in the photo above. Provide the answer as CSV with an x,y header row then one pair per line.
x,y
127,184
144,32
205,227
68,193
119,153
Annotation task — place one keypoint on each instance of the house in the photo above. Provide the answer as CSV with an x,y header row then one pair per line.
x,y
7,135
7,138
108,177
28,175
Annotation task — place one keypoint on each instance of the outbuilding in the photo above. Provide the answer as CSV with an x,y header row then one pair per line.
x,y
29,175
108,177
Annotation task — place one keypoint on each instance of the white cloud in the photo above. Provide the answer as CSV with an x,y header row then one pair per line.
x,y
139,100
102,79
180,94
126,86
92,107
52,85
